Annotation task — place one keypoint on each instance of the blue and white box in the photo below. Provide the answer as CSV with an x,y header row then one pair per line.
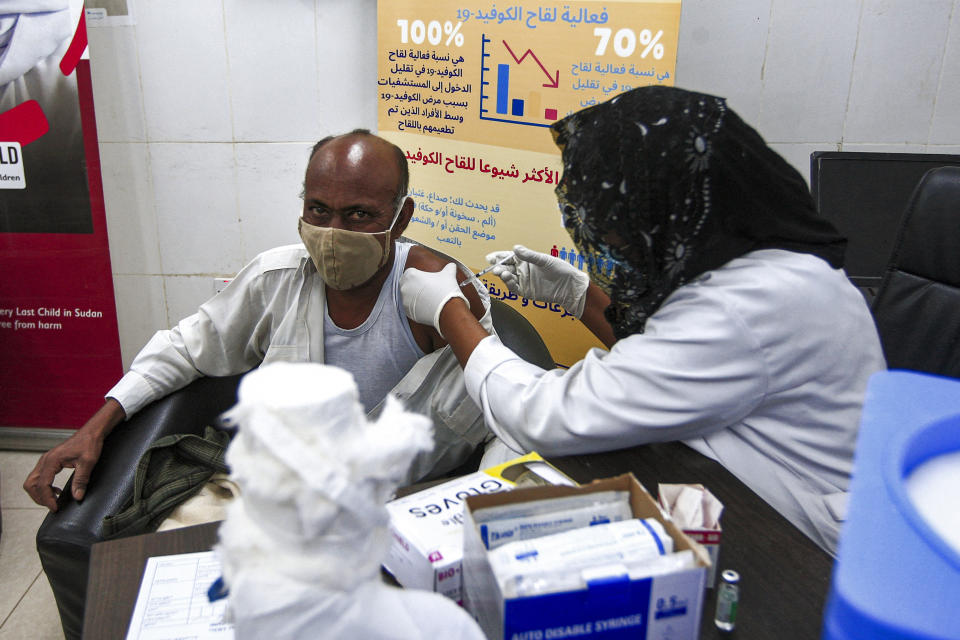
x,y
612,605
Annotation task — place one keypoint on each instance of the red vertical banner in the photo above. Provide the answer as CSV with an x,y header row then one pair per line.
x,y
59,346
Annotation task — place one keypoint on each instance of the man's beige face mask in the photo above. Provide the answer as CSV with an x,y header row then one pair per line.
x,y
346,259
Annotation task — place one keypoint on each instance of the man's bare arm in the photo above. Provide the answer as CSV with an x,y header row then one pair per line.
x,y
80,452
593,317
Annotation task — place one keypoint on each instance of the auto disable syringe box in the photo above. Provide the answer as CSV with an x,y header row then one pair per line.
x,y
611,601
426,527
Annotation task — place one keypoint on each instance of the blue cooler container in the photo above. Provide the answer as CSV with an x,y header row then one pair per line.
x,y
894,576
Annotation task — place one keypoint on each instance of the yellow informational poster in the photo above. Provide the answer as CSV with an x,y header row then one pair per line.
x,y
469,95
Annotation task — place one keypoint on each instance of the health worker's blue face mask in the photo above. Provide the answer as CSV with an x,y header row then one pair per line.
x,y
602,266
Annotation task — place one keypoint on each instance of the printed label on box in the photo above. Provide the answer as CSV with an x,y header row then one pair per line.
x,y
666,606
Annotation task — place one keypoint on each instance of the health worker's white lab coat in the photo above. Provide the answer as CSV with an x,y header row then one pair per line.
x,y
761,364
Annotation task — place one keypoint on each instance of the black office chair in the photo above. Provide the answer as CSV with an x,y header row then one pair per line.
x,y
917,308
65,537
518,334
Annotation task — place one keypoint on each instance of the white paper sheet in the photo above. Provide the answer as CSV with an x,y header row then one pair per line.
x,y
173,602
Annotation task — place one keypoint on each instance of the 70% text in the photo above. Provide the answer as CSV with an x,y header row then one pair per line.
x,y
625,42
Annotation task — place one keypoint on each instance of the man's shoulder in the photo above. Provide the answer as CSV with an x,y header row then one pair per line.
x,y
426,259
289,256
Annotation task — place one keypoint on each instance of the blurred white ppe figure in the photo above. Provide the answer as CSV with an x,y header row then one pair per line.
x,y
301,549
542,277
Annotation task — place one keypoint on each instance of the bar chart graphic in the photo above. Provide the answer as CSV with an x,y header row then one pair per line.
x,y
517,89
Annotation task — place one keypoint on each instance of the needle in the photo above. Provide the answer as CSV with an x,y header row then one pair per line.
x,y
496,264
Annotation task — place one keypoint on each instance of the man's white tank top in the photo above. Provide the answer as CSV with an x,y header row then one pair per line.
x,y
381,350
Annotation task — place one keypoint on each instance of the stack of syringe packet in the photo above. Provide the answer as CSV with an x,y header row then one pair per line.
x,y
598,561
549,546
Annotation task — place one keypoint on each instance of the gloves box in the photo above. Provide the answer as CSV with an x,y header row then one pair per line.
x,y
426,527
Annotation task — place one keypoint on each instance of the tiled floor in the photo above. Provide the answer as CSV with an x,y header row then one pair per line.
x,y
27,608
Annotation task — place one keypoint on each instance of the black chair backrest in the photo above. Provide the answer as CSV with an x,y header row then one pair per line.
x,y
65,537
518,334
917,308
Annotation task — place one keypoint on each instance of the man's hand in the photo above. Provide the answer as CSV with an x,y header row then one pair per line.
x,y
542,277
425,293
79,452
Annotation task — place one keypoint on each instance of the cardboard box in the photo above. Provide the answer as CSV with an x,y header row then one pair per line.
x,y
659,608
709,538
426,527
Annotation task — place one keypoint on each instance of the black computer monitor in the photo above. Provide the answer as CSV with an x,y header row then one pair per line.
x,y
864,195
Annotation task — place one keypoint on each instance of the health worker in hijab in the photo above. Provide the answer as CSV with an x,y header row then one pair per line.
x,y
730,323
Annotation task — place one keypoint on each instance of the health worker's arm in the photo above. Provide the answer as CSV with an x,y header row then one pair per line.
x,y
694,371
542,277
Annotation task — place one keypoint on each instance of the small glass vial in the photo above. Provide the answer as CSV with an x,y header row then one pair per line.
x,y
727,596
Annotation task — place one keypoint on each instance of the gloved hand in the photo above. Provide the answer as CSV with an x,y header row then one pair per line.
x,y
425,293
542,277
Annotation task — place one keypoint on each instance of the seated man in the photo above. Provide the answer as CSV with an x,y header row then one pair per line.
x,y
335,299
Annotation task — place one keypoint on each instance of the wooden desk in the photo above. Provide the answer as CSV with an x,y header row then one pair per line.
x,y
784,576
116,569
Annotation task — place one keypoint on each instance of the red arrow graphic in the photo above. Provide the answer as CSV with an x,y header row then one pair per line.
x,y
554,81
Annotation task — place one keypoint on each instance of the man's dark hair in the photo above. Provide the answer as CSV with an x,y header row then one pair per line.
x,y
401,158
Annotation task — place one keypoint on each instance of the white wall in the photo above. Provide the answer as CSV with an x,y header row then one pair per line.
x,y
830,75
206,110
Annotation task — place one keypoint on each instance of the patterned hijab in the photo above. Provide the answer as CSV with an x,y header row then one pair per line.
x,y
661,185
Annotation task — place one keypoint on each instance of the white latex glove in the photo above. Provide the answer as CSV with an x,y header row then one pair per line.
x,y
425,293
542,277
